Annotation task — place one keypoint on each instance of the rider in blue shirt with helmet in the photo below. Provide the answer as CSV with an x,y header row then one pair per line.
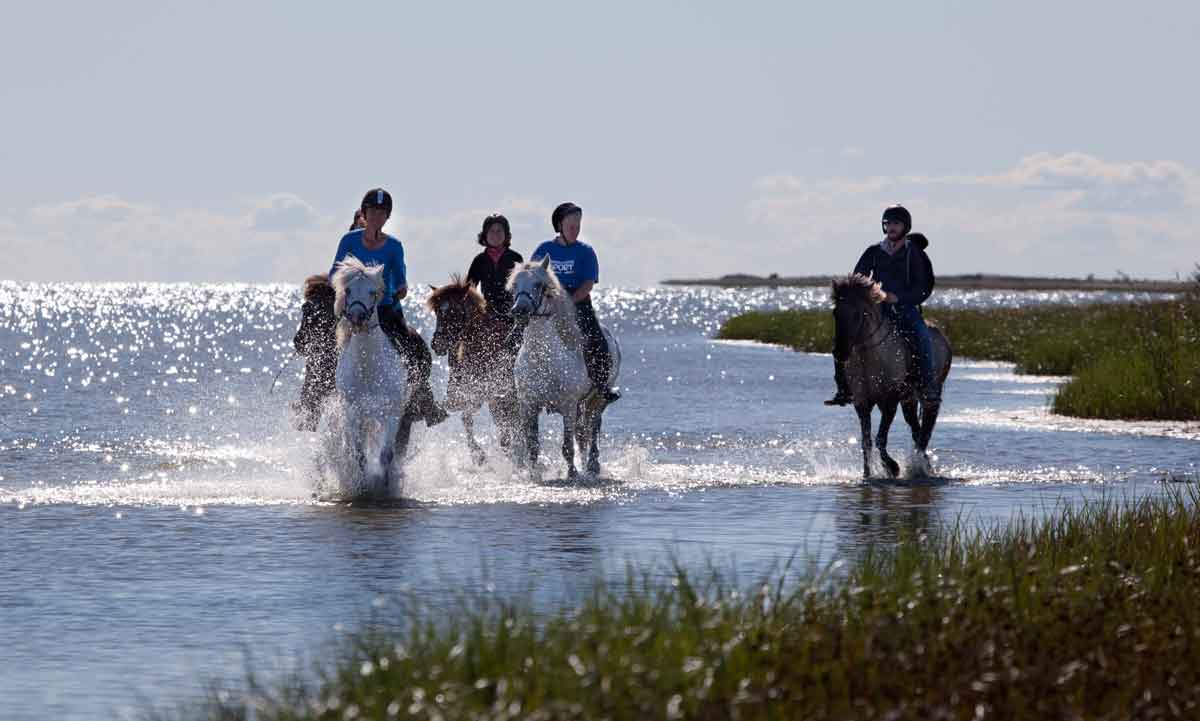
x,y
575,264
372,246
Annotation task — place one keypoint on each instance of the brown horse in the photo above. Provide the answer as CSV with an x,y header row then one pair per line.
x,y
481,365
880,369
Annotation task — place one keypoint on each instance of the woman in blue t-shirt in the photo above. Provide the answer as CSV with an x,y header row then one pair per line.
x,y
371,245
575,264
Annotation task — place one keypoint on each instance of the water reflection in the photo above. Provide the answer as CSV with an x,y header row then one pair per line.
x,y
879,513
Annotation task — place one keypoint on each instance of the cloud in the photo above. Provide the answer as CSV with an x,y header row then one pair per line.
x,y
1069,214
853,151
283,212
93,209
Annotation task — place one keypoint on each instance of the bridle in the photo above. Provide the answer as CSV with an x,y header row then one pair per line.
x,y
537,304
370,313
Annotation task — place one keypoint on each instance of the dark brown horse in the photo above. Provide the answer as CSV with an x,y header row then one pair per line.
x,y
481,365
880,370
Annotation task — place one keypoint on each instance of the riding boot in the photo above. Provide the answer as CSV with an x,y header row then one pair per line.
x,y
596,354
842,397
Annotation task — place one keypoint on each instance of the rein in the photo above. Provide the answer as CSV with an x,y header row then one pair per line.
x,y
536,304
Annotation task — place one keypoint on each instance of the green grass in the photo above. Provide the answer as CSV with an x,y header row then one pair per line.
x,y
1129,360
1089,613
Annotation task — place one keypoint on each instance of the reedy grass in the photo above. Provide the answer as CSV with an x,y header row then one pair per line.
x,y
1130,361
1089,612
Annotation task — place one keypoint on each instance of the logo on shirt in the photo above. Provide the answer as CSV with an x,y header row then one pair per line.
x,y
563,267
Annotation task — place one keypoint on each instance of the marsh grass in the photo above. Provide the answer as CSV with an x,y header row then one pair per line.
x,y
1130,361
1089,612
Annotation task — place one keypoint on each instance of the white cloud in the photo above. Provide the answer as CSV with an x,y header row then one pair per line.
x,y
1069,214
282,212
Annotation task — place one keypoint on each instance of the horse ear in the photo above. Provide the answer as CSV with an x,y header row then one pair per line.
x,y
545,262
432,286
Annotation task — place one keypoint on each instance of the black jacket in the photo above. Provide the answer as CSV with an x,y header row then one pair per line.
x,y
492,277
908,274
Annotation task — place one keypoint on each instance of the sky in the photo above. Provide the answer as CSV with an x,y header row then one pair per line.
x,y
232,141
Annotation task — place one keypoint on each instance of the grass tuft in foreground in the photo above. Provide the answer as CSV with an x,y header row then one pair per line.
x,y
1090,613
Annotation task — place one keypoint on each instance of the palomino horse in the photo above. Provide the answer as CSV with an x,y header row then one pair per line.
x,y
481,369
878,362
371,378
550,373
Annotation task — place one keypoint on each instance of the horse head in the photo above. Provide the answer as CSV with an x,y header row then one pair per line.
x,y
358,290
454,306
856,300
534,288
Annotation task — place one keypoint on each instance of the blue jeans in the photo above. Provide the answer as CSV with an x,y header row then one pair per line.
x,y
912,324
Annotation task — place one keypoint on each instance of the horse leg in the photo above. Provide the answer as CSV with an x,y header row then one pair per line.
x,y
532,442
568,444
477,455
887,412
404,433
914,421
593,462
864,421
387,453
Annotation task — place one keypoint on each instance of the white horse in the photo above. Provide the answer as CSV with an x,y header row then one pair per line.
x,y
371,378
550,373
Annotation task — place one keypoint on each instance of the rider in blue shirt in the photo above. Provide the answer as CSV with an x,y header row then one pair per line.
x,y
371,245
575,264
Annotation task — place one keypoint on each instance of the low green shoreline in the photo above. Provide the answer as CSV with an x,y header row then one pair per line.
x,y
1088,613
1128,361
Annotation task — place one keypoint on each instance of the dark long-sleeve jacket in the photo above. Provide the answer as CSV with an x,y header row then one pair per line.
x,y
908,274
492,277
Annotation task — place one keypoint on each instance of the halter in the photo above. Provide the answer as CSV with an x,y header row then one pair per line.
x,y
536,304
370,314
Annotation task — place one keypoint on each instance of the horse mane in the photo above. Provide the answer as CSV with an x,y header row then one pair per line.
x,y
857,287
457,290
318,287
568,327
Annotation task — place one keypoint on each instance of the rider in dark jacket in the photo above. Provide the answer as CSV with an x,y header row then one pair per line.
x,y
903,270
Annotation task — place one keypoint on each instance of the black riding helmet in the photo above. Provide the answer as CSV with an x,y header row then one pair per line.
x,y
897,213
562,211
377,198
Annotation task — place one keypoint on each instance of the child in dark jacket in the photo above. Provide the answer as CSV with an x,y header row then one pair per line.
x,y
903,270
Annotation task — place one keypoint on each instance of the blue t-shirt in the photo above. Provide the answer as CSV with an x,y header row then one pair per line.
x,y
574,264
390,255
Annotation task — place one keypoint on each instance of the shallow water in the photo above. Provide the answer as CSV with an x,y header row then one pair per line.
x,y
156,512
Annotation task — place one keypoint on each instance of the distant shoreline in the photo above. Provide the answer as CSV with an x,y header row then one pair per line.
x,y
973,281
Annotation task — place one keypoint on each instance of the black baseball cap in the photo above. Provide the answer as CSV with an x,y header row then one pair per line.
x,y
378,198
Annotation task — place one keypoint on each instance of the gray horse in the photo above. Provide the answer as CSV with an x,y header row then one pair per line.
x,y
880,370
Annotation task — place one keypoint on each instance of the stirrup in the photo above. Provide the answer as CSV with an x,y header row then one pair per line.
x,y
840,399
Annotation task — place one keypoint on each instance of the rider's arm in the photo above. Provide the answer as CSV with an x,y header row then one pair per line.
x,y
583,291
343,247
866,263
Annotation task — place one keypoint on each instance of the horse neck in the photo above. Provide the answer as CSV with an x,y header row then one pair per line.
x,y
880,346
